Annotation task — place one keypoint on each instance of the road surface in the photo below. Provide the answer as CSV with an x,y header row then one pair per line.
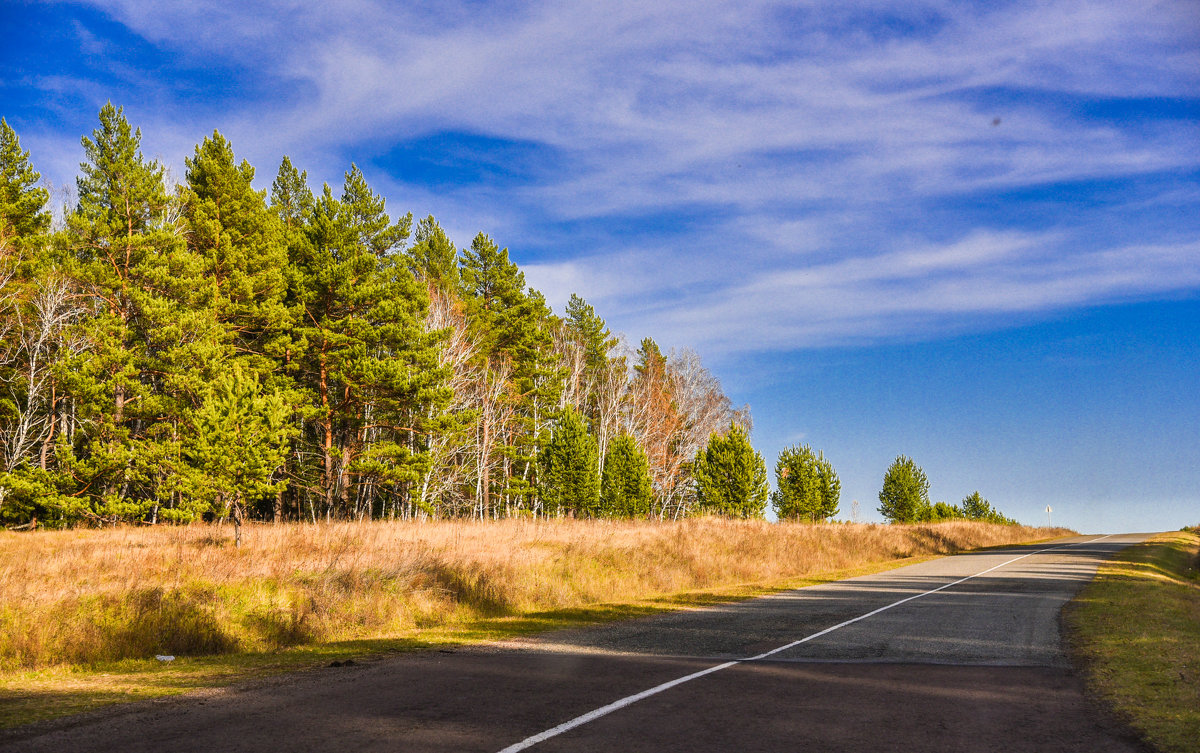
x,y
959,653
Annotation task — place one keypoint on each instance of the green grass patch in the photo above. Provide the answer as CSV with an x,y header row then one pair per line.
x,y
47,693
1136,630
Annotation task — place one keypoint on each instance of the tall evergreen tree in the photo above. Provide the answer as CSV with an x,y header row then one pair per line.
x,y
591,331
593,341
975,507
731,478
293,205
625,489
372,364
33,303
503,314
151,344
433,258
513,328
292,200
244,251
831,488
905,494
570,479
650,358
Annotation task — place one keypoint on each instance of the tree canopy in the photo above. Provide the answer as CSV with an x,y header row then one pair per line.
x,y
731,478
625,487
22,201
570,480
904,497
806,486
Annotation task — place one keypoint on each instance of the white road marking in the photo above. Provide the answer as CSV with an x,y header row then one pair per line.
x,y
632,699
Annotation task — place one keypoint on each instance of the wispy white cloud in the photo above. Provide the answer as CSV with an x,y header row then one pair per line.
x,y
925,292
815,142
683,81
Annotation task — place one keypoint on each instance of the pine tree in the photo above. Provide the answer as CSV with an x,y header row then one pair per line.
x,y
831,488
806,486
513,328
291,199
502,312
22,202
591,331
433,259
243,245
590,345
238,441
731,478
35,309
293,205
570,479
975,507
905,494
370,363
625,489
245,254
151,344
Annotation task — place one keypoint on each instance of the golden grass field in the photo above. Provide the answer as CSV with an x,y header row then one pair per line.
x,y
85,596
84,612
1136,628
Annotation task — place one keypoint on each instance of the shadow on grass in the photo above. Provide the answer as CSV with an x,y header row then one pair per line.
x,y
47,693
1172,561
936,540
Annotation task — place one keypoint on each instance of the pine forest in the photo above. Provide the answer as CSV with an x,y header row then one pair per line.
x,y
171,353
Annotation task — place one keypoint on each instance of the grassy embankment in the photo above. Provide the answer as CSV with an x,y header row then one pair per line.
x,y
1136,628
83,613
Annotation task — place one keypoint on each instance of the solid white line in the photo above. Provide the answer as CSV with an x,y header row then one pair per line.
x,y
629,700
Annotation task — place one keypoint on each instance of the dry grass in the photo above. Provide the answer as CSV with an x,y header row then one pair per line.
x,y
80,598
1136,627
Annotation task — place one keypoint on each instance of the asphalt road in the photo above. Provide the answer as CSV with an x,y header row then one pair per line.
x,y
960,653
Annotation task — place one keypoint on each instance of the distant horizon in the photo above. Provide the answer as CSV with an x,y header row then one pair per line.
x,y
966,233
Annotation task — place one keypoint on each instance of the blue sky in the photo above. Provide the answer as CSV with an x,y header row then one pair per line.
x,y
967,232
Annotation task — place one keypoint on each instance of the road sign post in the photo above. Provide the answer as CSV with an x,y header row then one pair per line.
x,y
1048,524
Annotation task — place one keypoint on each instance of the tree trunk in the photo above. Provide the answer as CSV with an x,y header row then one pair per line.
x,y
327,482
484,473
49,441
344,479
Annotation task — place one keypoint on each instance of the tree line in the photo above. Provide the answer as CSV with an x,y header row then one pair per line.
x,y
808,489
904,498
174,352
